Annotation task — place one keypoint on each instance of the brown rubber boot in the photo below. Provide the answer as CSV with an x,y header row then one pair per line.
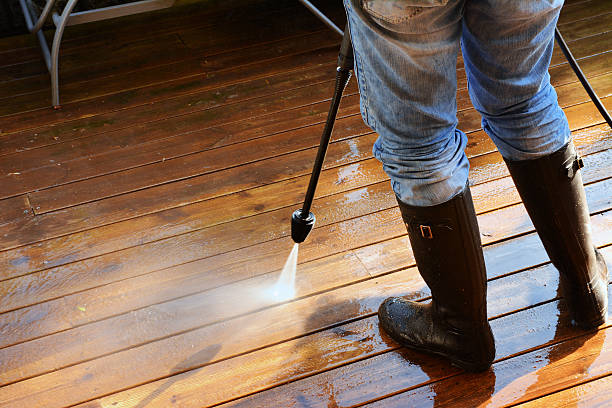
x,y
446,243
552,191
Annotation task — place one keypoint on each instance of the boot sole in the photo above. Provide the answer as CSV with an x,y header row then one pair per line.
x,y
470,366
464,365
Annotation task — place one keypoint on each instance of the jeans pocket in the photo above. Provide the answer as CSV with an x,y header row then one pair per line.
x,y
398,11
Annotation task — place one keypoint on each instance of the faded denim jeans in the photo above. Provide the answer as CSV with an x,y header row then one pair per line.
x,y
405,62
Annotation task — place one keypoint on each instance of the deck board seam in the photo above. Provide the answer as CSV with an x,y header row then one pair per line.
x,y
224,123
271,210
329,327
148,67
145,104
162,32
596,378
182,155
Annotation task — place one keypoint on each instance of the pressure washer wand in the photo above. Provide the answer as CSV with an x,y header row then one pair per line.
x,y
303,220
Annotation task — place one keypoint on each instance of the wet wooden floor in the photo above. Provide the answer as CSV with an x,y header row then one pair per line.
x,y
143,225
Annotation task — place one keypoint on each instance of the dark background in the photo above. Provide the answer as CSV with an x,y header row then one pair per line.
x,y
11,18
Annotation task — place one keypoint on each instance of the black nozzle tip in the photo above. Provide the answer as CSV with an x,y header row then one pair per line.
x,y
300,226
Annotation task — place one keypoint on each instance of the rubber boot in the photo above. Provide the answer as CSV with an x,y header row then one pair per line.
x,y
552,191
446,243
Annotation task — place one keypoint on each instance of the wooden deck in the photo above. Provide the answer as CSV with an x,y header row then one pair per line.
x,y
142,226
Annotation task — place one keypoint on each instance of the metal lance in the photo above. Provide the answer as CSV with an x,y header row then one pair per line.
x,y
303,219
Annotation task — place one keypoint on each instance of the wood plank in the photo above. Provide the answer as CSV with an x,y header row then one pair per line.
x,y
400,369
186,387
596,393
194,88
6,126
234,132
44,255
193,111
166,169
142,230
127,28
589,9
15,209
156,287
582,48
34,138
196,154
129,75
257,33
584,28
215,71
56,158
93,126
560,365
184,314
178,366
152,30
82,78
76,49
169,22
233,180
12,77
165,21
216,114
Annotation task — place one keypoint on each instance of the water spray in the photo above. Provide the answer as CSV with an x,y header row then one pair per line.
x,y
303,219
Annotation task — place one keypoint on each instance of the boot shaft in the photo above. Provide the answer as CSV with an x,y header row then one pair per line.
x,y
445,240
552,192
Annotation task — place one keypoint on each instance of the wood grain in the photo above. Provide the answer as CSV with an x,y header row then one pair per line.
x,y
224,268
140,273
125,234
382,372
121,182
596,393
183,314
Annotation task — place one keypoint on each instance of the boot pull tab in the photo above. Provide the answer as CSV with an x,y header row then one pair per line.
x,y
574,166
426,231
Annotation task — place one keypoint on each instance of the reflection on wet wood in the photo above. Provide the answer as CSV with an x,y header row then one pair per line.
x,y
149,220
165,170
596,393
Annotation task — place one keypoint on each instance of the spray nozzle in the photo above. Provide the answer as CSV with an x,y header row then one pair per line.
x,y
301,226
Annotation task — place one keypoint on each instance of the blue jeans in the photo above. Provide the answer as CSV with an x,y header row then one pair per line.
x,y
405,62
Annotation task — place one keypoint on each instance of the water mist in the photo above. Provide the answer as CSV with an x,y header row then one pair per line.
x,y
284,288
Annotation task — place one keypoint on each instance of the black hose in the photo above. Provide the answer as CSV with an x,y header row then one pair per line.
x,y
585,83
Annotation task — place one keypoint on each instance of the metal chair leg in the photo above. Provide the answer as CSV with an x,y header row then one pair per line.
x,y
57,39
35,27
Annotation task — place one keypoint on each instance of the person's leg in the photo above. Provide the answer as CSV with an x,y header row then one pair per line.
x,y
507,46
405,63
405,59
